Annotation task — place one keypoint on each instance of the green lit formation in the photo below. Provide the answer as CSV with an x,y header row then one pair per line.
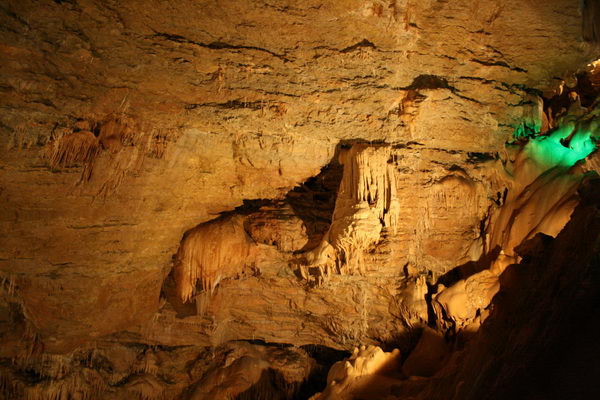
x,y
564,146
527,131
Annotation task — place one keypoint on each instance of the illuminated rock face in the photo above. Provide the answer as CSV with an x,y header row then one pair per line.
x,y
366,202
178,179
367,373
213,251
543,180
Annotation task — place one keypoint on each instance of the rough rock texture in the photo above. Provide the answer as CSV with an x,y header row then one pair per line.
x,y
542,332
537,343
124,125
137,371
368,372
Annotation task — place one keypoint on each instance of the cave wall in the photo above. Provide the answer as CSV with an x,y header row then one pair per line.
x,y
235,101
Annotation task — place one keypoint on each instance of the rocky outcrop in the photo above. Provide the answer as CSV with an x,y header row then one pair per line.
x,y
538,328
368,372
115,371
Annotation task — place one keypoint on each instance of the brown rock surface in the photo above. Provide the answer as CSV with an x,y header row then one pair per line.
x,y
126,124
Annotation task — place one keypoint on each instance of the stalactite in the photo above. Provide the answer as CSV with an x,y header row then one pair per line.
x,y
146,387
75,148
365,204
8,284
368,177
211,252
85,384
590,10
122,141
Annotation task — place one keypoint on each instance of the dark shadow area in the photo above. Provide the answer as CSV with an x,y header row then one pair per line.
x,y
325,357
584,88
468,269
314,200
540,340
271,386
405,341
249,207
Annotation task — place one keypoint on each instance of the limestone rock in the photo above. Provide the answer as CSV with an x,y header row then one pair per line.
x,y
428,356
126,124
278,226
367,374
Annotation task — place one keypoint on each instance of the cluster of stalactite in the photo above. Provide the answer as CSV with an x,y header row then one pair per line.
x,y
366,203
210,252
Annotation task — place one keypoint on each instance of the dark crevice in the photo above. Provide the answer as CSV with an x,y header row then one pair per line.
x,y
325,357
356,46
230,105
431,316
512,86
498,64
467,269
314,200
476,157
277,93
467,98
261,342
216,45
407,145
433,82
477,78
428,82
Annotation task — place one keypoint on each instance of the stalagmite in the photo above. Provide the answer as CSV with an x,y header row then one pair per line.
x,y
367,374
210,252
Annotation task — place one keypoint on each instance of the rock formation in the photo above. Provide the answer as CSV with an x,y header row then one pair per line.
x,y
215,200
365,203
365,373
210,252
